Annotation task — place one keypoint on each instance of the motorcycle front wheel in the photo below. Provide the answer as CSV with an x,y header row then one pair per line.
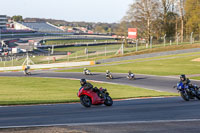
x,y
185,96
85,101
198,95
108,101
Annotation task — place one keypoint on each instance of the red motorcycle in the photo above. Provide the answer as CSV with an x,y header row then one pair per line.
x,y
89,97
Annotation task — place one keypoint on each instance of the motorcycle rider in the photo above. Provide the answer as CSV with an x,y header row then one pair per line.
x,y
26,70
186,81
107,73
86,71
88,86
130,74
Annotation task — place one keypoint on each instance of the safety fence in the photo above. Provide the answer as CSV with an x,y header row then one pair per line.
x,y
95,52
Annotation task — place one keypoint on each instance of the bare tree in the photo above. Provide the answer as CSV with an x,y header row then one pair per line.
x,y
181,4
167,6
142,14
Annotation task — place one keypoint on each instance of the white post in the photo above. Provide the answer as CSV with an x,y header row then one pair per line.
x,y
87,53
122,49
191,38
0,36
170,42
12,61
49,55
105,51
136,45
151,42
177,39
147,45
52,50
164,39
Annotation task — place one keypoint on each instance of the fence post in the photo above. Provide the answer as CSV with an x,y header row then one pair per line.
x,y
177,39
191,38
170,42
105,51
136,45
122,49
49,55
151,41
12,61
164,39
52,50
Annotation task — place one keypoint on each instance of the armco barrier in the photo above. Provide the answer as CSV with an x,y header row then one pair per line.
x,y
55,65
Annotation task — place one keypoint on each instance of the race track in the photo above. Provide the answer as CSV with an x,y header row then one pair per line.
x,y
139,115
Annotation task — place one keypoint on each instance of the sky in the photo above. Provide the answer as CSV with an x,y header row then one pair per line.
x,y
70,10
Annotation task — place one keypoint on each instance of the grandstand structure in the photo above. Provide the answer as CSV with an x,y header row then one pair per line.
x,y
37,26
3,21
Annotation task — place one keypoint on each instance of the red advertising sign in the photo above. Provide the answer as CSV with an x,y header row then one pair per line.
x,y
132,33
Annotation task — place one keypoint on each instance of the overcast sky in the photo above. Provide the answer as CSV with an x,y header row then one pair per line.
x,y
69,10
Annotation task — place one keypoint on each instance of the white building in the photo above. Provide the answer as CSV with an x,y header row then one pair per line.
x,y
3,21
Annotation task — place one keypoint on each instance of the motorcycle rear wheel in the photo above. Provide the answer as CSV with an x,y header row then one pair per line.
x,y
185,96
85,101
108,101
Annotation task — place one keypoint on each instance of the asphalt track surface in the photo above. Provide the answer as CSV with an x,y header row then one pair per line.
x,y
139,115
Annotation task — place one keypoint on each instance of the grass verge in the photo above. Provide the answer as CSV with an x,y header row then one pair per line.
x,y
163,65
196,78
30,90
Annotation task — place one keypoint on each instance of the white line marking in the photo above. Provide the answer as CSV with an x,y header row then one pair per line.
x,y
104,123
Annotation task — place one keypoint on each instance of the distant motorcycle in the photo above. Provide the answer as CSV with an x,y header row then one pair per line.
x,y
89,97
109,76
188,93
27,73
131,76
87,72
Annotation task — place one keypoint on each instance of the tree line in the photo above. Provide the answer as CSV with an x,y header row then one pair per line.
x,y
152,18
96,27
163,18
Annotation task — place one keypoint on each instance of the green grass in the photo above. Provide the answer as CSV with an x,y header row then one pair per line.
x,y
29,90
196,78
163,65
98,52
69,41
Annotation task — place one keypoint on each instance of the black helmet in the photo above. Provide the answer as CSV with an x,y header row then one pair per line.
x,y
182,76
83,81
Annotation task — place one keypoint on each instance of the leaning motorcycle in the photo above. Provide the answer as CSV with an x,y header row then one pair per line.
x,y
89,97
188,93
109,76
131,76
27,73
87,72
